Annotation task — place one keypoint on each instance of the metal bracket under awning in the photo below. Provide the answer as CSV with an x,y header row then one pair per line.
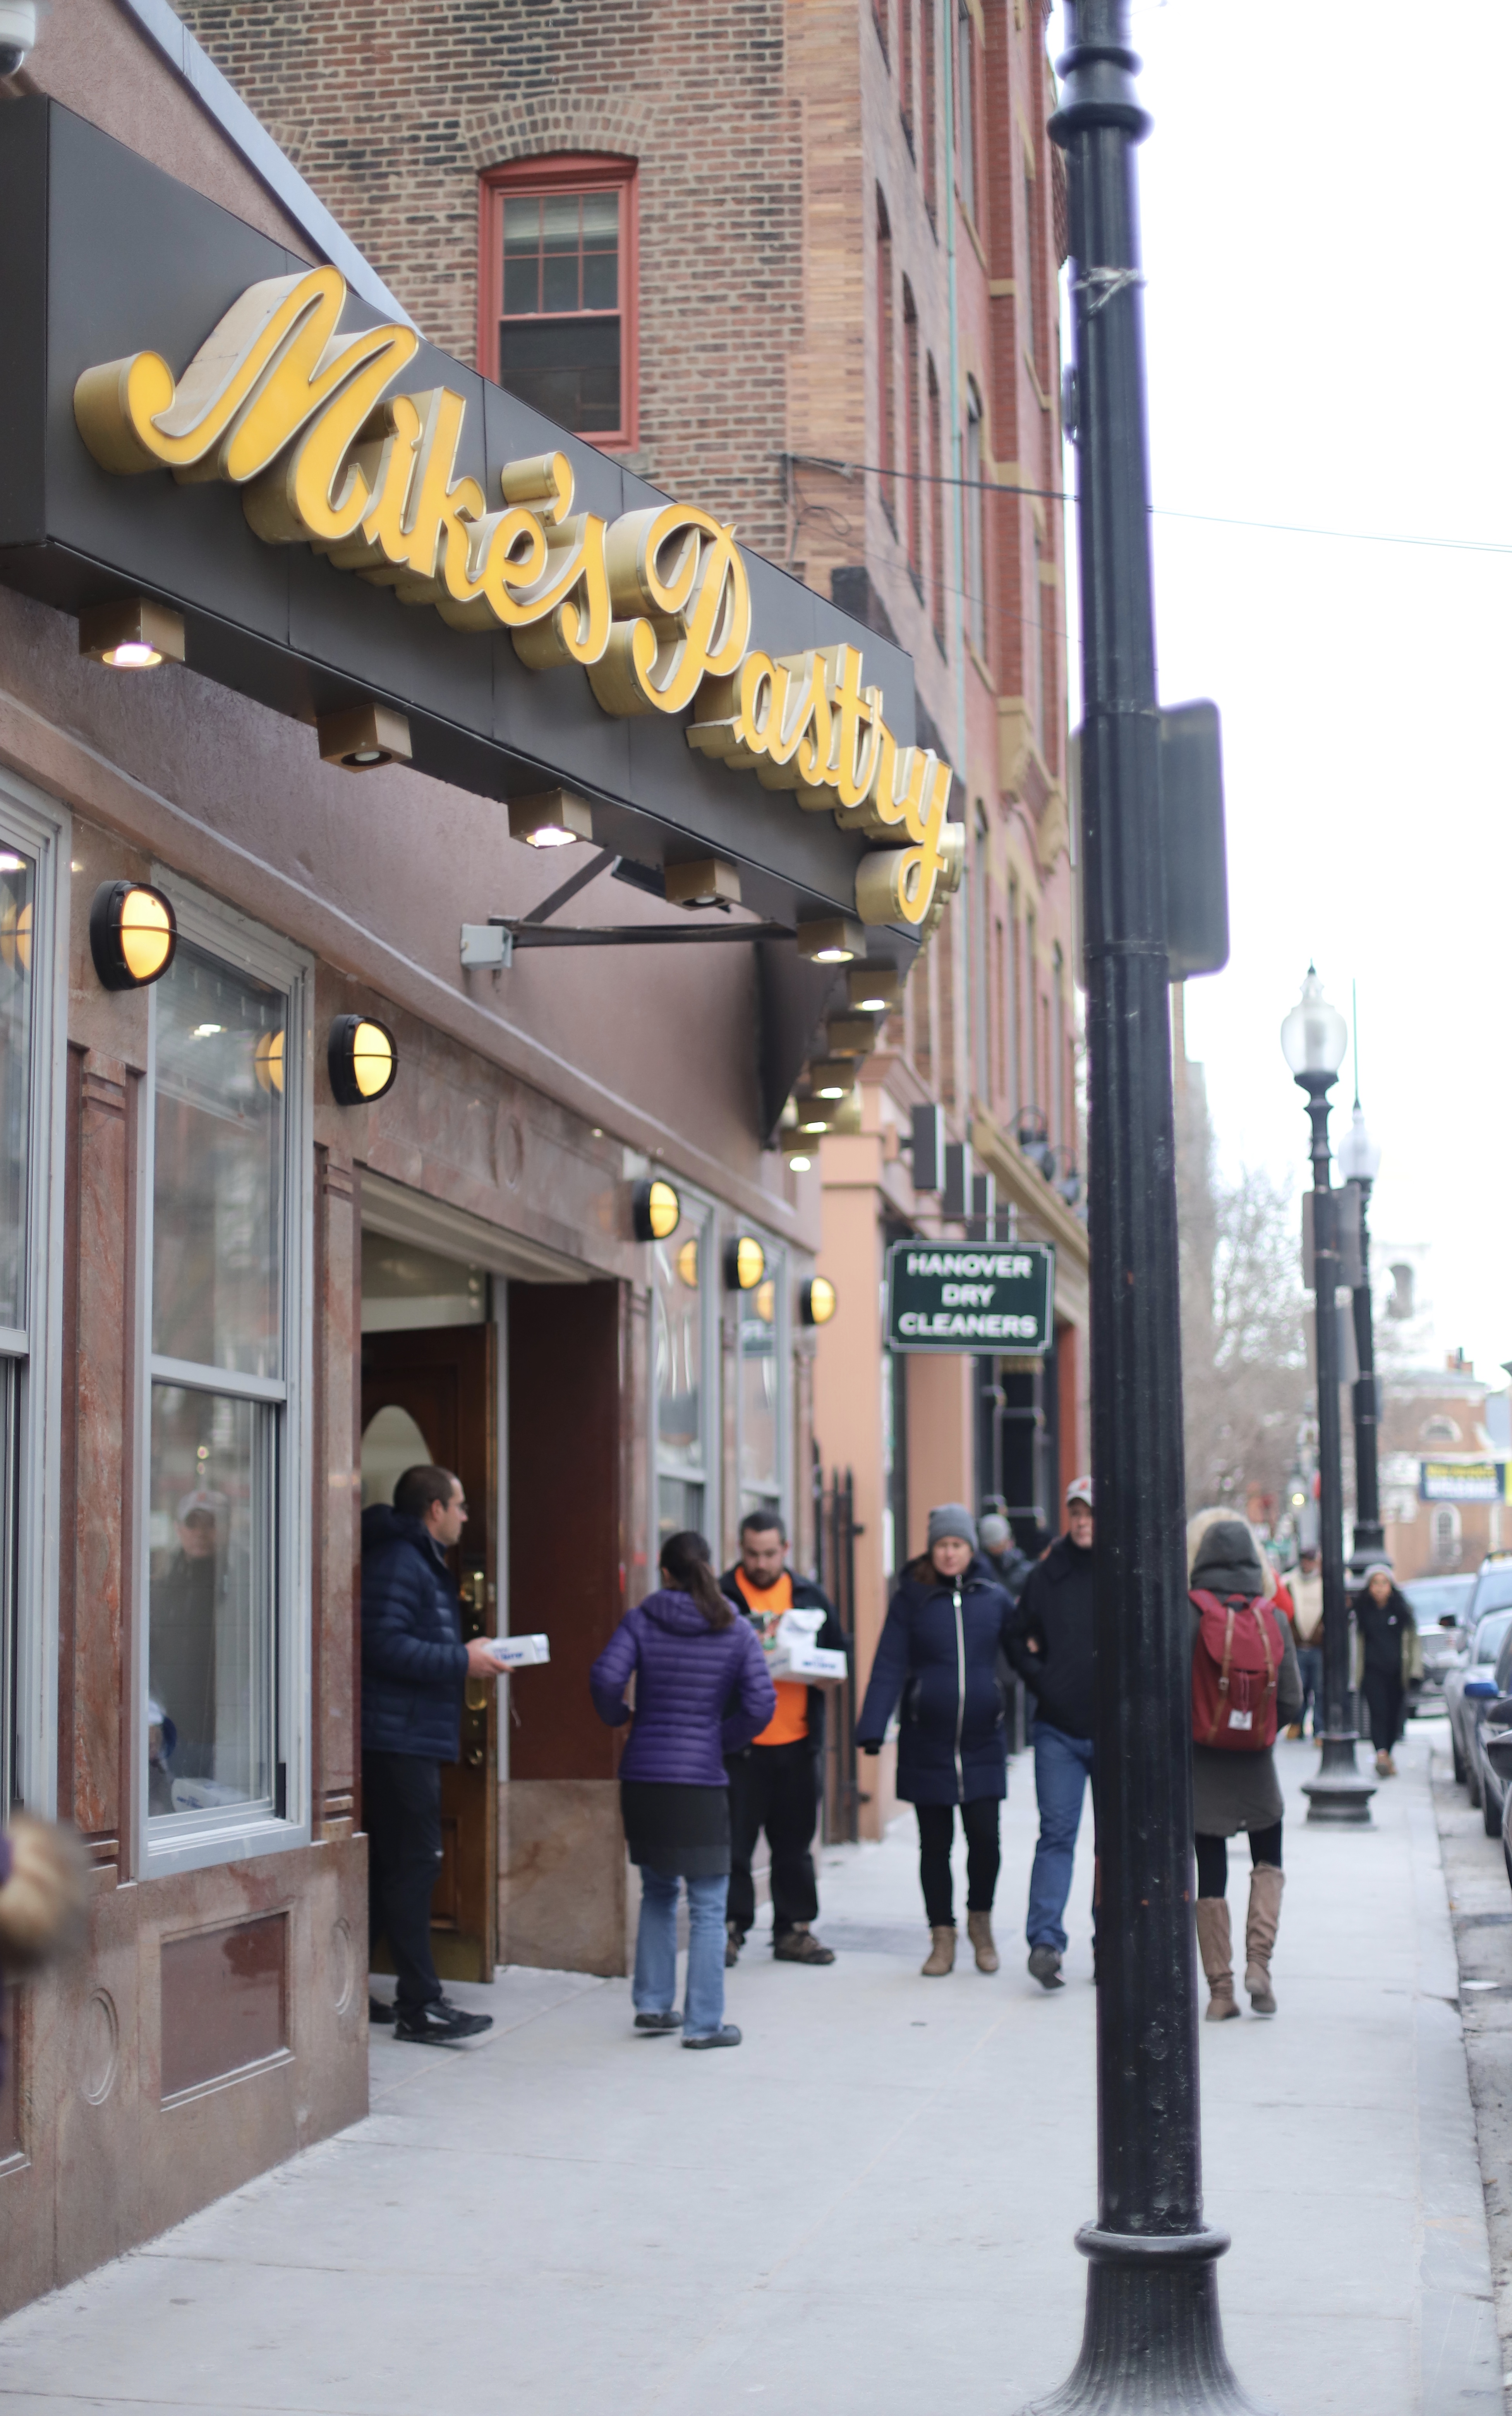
x,y
494,943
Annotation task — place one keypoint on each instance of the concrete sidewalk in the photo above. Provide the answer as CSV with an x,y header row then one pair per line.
x,y
868,2207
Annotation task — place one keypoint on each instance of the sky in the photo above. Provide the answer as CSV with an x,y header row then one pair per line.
x,y
1326,203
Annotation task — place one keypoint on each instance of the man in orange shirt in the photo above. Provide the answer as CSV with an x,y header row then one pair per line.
x,y
775,1784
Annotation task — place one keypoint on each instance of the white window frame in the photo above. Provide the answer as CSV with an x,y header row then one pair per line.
x,y
779,1270
37,826
226,1833
699,1209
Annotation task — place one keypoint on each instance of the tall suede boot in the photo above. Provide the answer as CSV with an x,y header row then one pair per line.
x,y
1215,1943
979,1931
941,1956
1265,1885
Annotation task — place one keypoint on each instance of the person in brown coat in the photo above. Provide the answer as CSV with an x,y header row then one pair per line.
x,y
1234,1791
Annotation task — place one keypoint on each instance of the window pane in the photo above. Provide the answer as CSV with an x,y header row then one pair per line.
x,y
17,912
210,1602
567,368
677,1273
559,280
560,214
522,226
678,1506
522,282
218,1187
601,220
758,1394
601,281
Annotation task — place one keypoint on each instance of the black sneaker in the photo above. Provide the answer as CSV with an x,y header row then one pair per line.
x,y
734,1941
438,2024
1044,1966
726,2035
654,2023
379,2009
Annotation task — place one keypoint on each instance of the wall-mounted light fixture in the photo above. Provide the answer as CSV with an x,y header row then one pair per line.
x,y
800,1161
656,1210
832,941
745,1262
874,990
831,1077
362,1060
850,1035
132,934
364,737
134,635
554,819
267,1062
706,880
816,1300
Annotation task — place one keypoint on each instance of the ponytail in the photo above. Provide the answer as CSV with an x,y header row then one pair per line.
x,y
686,1562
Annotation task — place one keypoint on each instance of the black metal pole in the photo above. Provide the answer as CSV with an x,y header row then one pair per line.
x,y
1369,1535
1339,1793
1152,2338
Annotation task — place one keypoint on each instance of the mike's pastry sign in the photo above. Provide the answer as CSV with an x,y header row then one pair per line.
x,y
655,606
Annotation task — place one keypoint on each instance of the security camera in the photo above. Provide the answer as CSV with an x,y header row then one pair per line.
x,y
18,32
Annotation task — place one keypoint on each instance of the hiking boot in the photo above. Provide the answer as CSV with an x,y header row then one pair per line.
x,y
979,1931
726,2035
1044,1966
1214,1942
655,2023
379,2010
1265,1885
438,2024
800,1946
734,1941
941,1956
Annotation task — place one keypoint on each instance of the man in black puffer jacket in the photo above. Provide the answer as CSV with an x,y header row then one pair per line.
x,y
1051,1645
414,1667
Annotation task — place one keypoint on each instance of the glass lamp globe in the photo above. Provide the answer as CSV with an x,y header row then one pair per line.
x,y
1315,1036
1360,1157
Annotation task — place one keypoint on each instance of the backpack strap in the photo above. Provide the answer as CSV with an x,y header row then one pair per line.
x,y
1222,1705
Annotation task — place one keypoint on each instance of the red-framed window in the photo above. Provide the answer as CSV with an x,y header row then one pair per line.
x,y
557,290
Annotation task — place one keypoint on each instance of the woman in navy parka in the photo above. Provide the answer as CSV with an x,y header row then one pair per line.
x,y
938,1651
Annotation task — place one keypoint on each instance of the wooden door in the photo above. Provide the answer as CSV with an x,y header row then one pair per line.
x,y
444,1378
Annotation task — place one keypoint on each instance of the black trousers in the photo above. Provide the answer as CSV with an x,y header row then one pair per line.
x,y
775,1788
1383,1695
937,1828
401,1809
1213,1858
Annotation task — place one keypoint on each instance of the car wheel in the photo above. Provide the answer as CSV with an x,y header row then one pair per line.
x,y
1472,1785
1506,1857
1489,1815
1459,1757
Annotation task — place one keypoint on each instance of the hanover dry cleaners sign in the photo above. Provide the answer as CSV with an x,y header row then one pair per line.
x,y
983,1296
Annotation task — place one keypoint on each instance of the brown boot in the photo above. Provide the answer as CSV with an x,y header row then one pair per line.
x,y
941,1957
1216,1945
979,1931
1265,1885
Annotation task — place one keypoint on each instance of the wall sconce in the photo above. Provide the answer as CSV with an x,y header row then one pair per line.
x,y
364,737
133,636
267,1063
687,1264
362,1060
132,934
816,1300
874,990
800,1161
655,1211
708,880
745,1262
554,819
832,941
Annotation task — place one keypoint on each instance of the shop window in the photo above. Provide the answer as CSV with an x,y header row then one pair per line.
x,y
557,291
683,1282
30,1139
226,1588
764,1390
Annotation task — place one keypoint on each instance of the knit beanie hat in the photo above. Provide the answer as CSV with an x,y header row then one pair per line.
x,y
995,1532
951,1519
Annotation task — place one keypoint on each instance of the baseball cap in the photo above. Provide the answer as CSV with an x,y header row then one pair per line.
x,y
1079,1489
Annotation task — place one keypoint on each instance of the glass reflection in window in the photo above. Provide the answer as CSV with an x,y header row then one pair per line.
x,y
17,906
217,1182
760,1440
678,1289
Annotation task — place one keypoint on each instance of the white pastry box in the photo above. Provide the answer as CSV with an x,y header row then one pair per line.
x,y
797,1655
520,1652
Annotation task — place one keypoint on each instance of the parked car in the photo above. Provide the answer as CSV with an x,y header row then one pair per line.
x,y
1492,1588
1438,1605
1469,1686
1494,1743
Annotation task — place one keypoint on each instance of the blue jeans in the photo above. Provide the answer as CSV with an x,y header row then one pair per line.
x,y
655,1982
1062,1766
1310,1670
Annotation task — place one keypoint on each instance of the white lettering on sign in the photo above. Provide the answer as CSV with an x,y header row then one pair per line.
x,y
999,1265
977,1326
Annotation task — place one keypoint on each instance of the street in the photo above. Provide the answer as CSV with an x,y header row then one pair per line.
x,y
868,2207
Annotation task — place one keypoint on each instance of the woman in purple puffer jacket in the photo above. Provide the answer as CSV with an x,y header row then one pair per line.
x,y
701,1691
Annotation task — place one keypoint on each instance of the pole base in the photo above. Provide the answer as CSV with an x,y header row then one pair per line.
x,y
1153,2341
1341,1794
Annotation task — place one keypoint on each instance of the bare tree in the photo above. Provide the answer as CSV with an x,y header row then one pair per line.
x,y
1244,1354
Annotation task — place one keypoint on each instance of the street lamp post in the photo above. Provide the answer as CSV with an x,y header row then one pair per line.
x,y
1359,1162
1152,2340
1313,1039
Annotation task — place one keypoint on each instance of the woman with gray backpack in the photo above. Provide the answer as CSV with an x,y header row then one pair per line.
x,y
1244,1683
